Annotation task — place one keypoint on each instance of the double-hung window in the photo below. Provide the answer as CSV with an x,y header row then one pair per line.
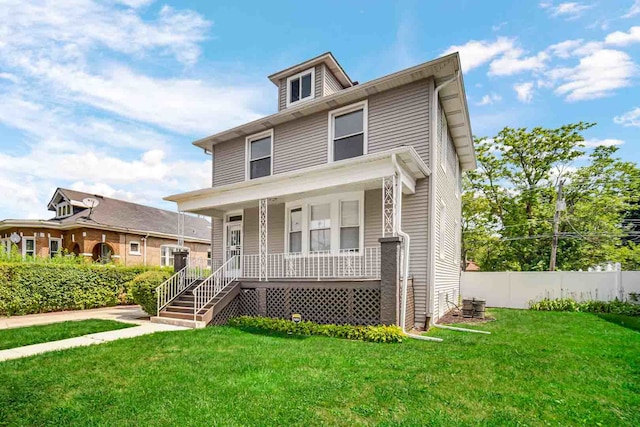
x,y
29,247
320,228
167,254
54,247
295,230
259,149
300,87
350,226
348,132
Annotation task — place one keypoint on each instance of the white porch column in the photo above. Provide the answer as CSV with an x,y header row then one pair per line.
x,y
263,239
389,208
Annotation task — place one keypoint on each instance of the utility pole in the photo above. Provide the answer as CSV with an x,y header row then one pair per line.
x,y
560,206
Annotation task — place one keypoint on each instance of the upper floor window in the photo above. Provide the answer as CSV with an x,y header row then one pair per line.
x,y
259,155
301,87
63,209
348,132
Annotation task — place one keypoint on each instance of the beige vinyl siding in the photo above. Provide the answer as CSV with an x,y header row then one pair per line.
x,y
372,217
400,117
447,272
230,162
300,143
282,95
331,84
319,81
275,232
217,241
415,222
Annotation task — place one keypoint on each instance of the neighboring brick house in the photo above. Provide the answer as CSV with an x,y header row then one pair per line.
x,y
306,202
113,231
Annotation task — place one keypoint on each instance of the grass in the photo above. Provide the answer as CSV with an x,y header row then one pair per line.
x,y
18,337
622,320
537,368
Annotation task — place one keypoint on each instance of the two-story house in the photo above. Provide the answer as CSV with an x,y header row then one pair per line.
x,y
305,203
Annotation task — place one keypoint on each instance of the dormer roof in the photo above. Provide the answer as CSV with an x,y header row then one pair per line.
x,y
327,58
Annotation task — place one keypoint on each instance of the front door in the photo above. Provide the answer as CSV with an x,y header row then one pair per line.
x,y
234,246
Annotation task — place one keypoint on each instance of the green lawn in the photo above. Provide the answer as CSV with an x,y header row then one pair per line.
x,y
18,337
537,368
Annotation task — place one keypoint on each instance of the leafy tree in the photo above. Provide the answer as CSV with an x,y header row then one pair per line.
x,y
510,200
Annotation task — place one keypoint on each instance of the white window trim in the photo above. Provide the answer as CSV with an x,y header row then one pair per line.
x,y
247,152
334,201
225,224
442,230
312,96
138,252
63,210
362,105
57,239
24,246
162,247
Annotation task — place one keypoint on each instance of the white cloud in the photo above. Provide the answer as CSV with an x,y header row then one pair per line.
x,y
607,142
597,75
512,62
498,27
630,118
567,10
524,91
490,99
566,48
475,53
620,38
634,10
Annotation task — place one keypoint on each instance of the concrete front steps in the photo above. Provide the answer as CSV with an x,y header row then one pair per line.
x,y
180,311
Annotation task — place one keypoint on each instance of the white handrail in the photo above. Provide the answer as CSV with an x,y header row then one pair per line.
x,y
210,287
195,269
316,265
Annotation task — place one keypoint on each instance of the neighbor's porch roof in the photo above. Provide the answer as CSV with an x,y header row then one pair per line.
x,y
356,174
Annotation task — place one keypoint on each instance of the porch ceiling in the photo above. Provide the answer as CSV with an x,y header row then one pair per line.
x,y
357,174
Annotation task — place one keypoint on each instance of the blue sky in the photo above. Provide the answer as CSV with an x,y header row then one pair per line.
x,y
106,97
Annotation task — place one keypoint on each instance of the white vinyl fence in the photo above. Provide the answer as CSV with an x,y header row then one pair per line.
x,y
516,289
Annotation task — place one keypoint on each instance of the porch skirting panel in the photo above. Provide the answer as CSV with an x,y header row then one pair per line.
x,y
330,302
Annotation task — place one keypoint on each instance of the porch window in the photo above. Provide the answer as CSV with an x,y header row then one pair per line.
x,y
295,230
29,247
320,228
300,86
349,225
348,132
259,155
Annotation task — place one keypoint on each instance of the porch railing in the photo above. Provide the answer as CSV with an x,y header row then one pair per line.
x,y
196,268
316,265
210,287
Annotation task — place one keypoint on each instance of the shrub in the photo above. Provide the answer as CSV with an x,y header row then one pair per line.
x,y
380,333
568,304
27,288
143,289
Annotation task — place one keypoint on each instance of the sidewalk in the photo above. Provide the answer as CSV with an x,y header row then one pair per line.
x,y
125,314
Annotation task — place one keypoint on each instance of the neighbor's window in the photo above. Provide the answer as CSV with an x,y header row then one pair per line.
x,y
54,247
348,130
295,230
167,253
29,246
320,228
350,225
134,248
300,86
259,155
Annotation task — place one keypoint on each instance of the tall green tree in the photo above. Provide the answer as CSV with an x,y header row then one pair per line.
x,y
510,200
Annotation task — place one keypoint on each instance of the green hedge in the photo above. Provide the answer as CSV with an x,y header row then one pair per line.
x,y
27,288
569,304
143,289
363,333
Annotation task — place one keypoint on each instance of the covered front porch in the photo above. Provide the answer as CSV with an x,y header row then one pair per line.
x,y
319,223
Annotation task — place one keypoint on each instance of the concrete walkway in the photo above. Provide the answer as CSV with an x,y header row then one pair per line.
x,y
125,314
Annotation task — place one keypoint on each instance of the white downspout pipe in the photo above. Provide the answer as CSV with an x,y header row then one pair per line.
x,y
405,258
145,249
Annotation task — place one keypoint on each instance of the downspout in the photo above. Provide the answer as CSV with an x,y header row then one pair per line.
x,y
405,258
432,210
145,249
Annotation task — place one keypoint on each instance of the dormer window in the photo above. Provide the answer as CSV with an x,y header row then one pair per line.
x,y
63,210
300,87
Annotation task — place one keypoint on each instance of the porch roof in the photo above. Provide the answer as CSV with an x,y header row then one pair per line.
x,y
359,173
